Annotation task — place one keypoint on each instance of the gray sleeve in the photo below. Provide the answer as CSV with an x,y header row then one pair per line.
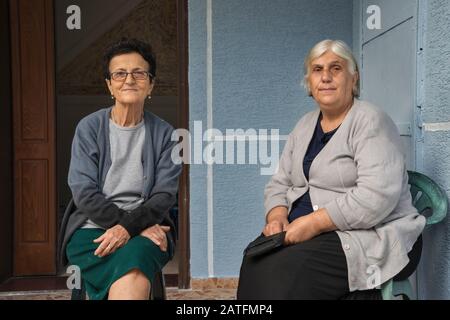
x,y
380,172
276,189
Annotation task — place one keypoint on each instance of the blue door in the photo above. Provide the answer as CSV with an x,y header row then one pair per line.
x,y
388,59
388,68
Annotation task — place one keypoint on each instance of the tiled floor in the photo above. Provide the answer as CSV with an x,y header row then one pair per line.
x,y
55,288
172,294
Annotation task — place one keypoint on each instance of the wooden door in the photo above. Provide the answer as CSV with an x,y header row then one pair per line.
x,y
32,67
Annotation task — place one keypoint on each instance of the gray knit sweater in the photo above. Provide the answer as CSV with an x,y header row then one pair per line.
x,y
89,165
360,178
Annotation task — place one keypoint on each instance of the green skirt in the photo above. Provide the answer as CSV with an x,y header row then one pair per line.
x,y
99,274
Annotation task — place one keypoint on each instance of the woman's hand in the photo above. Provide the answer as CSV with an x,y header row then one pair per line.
x,y
299,230
111,240
307,227
276,221
275,226
157,234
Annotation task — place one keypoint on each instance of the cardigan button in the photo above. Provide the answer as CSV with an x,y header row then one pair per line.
x,y
346,246
315,208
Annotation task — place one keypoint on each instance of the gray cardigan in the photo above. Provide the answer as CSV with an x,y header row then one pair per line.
x,y
360,178
89,164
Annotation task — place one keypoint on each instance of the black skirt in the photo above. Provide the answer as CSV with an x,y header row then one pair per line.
x,y
314,269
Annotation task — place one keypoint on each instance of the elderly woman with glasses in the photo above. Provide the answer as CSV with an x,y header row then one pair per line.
x,y
340,196
117,229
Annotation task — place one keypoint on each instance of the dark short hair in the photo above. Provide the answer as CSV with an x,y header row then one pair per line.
x,y
126,45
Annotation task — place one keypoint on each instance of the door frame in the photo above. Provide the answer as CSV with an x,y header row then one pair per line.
x,y
184,276
6,162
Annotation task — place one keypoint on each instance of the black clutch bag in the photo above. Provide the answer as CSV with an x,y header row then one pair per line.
x,y
264,244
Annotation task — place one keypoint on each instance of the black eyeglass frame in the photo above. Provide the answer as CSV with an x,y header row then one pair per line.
x,y
149,75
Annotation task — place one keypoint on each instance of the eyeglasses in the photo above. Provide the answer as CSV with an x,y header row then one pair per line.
x,y
137,75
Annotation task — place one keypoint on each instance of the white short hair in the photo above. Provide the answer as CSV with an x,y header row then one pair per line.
x,y
338,47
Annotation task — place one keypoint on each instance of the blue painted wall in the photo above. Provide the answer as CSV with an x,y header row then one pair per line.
x,y
258,47
434,271
357,30
197,112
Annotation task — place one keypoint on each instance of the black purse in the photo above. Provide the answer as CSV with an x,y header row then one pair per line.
x,y
263,244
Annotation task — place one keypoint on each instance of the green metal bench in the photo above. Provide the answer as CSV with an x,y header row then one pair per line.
x,y
428,198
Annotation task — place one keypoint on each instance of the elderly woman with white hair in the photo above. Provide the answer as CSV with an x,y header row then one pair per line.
x,y
340,197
